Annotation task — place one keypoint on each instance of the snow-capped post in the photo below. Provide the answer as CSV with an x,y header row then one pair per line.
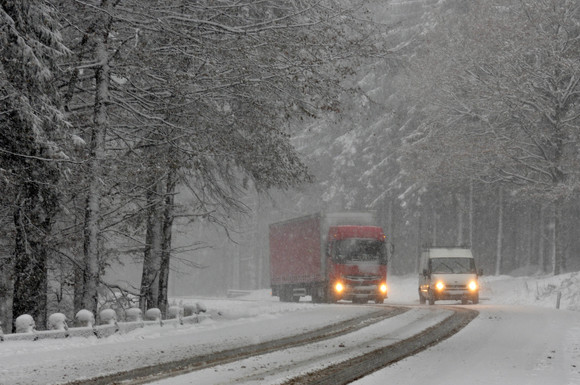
x,y
57,321
108,316
175,312
85,318
200,308
154,314
133,314
1,333
25,324
558,298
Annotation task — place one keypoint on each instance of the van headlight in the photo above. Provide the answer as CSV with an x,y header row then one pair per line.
x,y
472,286
439,286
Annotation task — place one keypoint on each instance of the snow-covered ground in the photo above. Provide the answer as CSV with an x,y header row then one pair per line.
x,y
518,338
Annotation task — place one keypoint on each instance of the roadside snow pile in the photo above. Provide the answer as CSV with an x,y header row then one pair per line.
x,y
537,291
503,290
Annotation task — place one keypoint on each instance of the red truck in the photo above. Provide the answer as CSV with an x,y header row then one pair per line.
x,y
329,256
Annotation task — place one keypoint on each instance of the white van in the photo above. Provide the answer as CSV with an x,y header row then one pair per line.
x,y
448,273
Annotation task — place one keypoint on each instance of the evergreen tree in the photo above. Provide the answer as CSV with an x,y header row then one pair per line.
x,y
32,130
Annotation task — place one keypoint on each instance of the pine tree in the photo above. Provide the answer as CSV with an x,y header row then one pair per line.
x,y
31,130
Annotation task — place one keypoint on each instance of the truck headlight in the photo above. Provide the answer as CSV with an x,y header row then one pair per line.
x,y
338,287
472,286
383,288
439,286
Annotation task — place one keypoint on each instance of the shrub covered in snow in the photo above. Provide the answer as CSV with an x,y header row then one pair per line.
x,y
133,314
24,324
57,321
108,316
191,309
153,314
85,318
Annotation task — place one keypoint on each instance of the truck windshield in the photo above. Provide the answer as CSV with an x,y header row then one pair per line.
x,y
452,265
358,249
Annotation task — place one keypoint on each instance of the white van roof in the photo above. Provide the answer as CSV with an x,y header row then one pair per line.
x,y
449,252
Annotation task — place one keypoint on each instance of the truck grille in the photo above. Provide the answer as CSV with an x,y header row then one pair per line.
x,y
360,281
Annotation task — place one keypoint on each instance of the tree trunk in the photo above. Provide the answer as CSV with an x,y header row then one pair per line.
x,y
95,166
6,292
459,218
470,213
557,239
529,246
30,258
419,239
541,244
434,231
153,245
498,254
167,227
390,232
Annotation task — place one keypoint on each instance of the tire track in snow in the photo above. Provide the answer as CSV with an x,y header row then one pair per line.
x,y
355,368
156,372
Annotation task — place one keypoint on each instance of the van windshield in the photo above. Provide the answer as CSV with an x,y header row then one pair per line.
x,y
359,249
452,265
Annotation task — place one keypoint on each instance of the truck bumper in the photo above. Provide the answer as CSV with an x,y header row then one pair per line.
x,y
361,293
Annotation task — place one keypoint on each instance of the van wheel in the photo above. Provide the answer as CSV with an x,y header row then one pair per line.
x,y
431,299
422,299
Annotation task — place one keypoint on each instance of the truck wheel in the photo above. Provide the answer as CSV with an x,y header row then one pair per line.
x,y
285,294
315,298
475,299
431,299
317,294
422,299
330,298
379,299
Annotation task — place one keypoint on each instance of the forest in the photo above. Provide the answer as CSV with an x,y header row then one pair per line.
x,y
128,125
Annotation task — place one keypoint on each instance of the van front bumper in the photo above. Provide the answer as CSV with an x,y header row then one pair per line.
x,y
454,294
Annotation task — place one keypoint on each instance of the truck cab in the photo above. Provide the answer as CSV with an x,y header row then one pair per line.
x,y
448,273
357,264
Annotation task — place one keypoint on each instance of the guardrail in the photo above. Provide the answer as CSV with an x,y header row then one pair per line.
x,y
108,328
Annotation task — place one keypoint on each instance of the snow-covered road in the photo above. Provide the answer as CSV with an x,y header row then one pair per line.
x,y
503,345
281,366
518,338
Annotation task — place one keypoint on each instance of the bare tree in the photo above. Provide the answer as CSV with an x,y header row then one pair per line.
x,y
506,85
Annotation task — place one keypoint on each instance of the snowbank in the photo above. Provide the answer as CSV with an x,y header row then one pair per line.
x,y
506,290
